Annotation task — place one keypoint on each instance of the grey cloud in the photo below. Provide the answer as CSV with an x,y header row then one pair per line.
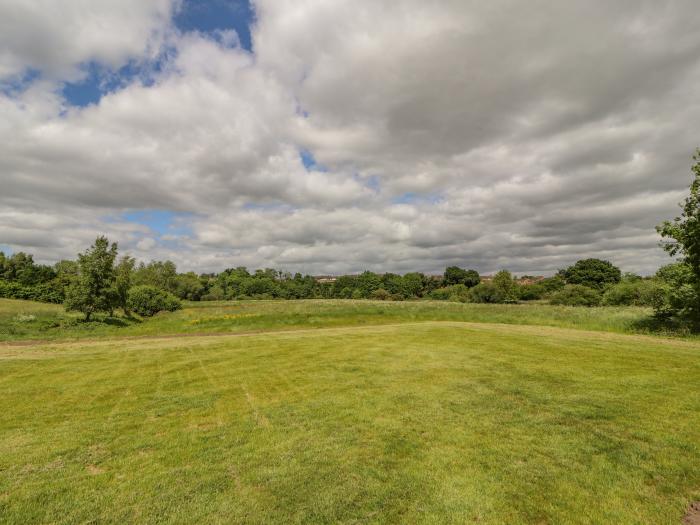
x,y
532,134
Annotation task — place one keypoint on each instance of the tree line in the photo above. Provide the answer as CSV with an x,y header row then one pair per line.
x,y
99,281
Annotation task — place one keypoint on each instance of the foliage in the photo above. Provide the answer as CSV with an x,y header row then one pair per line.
x,y
46,292
123,274
486,293
507,287
683,234
576,295
532,292
381,294
92,290
148,300
456,275
457,292
161,274
633,292
552,284
678,297
20,267
594,273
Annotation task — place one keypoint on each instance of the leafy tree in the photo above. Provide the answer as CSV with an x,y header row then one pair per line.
x,y
123,274
91,291
20,267
368,282
189,286
161,274
683,238
553,284
594,273
504,283
457,275
413,284
678,298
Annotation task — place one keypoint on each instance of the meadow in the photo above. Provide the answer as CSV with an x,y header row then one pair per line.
x,y
347,412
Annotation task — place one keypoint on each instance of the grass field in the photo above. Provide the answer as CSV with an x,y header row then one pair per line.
x,y
21,320
410,415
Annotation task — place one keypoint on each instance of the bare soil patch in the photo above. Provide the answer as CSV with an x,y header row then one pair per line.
x,y
692,517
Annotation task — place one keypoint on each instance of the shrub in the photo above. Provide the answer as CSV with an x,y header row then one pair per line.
x,y
576,295
532,292
552,284
51,292
381,294
148,300
457,292
678,296
633,293
440,294
487,293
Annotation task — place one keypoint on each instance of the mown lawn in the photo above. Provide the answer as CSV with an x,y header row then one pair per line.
x,y
21,320
427,422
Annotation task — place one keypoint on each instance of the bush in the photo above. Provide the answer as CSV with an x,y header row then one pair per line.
x,y
148,300
576,295
51,292
532,292
487,293
457,293
633,293
381,294
677,298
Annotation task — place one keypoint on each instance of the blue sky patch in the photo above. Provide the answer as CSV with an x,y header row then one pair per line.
x,y
416,198
16,85
161,221
309,161
210,16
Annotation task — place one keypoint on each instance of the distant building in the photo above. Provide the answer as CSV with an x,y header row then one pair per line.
x,y
323,279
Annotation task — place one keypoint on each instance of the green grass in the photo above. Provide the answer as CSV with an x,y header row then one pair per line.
x,y
346,412
51,323
420,423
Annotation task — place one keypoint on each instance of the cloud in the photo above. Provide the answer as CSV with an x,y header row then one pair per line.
x,y
57,37
487,135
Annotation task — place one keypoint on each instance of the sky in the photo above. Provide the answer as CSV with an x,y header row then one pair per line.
x,y
334,136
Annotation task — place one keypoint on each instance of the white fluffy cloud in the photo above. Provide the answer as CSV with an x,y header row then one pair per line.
x,y
482,134
57,37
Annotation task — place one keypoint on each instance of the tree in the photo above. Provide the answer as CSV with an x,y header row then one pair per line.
x,y
503,281
92,290
683,238
161,274
594,273
456,275
123,274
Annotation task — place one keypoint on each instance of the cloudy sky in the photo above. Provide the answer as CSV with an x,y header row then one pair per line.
x,y
332,136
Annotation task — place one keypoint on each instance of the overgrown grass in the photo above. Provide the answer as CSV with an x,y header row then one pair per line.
x,y
249,316
418,423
